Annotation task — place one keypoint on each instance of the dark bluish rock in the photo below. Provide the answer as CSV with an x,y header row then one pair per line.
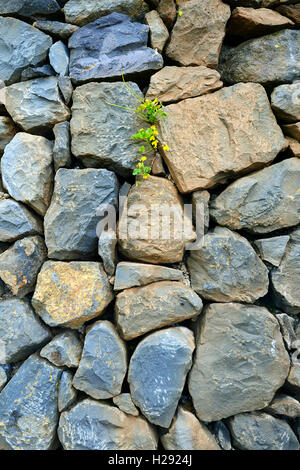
x,y
285,101
66,88
59,58
16,221
107,250
29,8
62,145
109,46
61,30
66,392
37,72
272,249
222,434
28,407
3,377
63,350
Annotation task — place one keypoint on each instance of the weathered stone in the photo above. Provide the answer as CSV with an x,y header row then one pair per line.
x,y
159,33
101,133
66,88
62,145
293,379
7,132
125,403
249,23
59,58
146,232
3,378
178,83
28,407
21,46
20,264
187,433
16,221
284,405
93,57
294,146
69,294
240,361
67,394
158,166
293,130
64,350
27,173
291,11
247,62
285,278
36,103
29,8
262,202
222,434
107,250
272,249
94,425
285,101
37,72
198,34
287,324
218,134
274,3
167,12
61,30
227,269
21,331
200,207
71,220
107,352
260,431
139,274
157,373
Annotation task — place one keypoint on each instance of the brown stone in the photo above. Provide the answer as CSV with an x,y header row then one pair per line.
x,y
7,132
293,130
294,146
159,33
140,274
291,11
167,12
178,83
158,166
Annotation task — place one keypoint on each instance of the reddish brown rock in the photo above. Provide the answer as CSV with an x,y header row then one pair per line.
x,y
293,130
7,132
294,146
167,12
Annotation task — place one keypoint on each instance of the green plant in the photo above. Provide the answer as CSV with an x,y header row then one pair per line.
x,y
141,170
179,11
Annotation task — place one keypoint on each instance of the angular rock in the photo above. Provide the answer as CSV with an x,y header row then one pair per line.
x,y
272,249
59,58
63,350
69,294
291,11
218,135
3,378
142,309
285,101
200,207
16,221
285,278
260,431
222,434
62,145
7,132
105,350
125,403
167,12
151,229
66,88
287,325
159,33
240,361
27,173
187,433
247,62
109,46
107,250
71,220
36,104
284,405
37,72
29,8
21,331
94,425
262,202
293,379
294,146
198,34
67,394
61,30
20,264
158,166
21,46
28,407
157,373
227,269
293,130
139,274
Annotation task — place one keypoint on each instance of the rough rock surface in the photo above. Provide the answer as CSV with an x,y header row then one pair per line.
x,y
71,220
284,405
28,407
125,403
3,378
158,31
66,88
198,34
62,144
94,425
139,274
285,101
272,249
287,325
294,146
7,132
29,8
67,394
69,294
27,173
59,58
293,130
56,28
105,350
245,338
16,221
291,11
227,269
167,11
262,202
208,135
157,373
64,350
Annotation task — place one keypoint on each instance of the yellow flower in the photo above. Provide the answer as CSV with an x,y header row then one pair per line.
x,y
153,128
146,176
143,159
276,45
139,165
166,148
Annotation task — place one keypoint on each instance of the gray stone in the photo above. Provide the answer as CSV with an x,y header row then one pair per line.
x,y
16,221
240,361
105,350
284,405
3,378
200,203
57,29
287,329
109,46
66,88
21,46
292,130
293,379
125,403
94,425
28,407
71,220
67,394
227,269
21,331
20,264
260,431
247,62
139,274
262,202
285,101
37,72
29,8
27,173
7,132
62,145
159,33
59,58
101,133
272,249
36,104
63,350
157,373
285,278
222,434
107,250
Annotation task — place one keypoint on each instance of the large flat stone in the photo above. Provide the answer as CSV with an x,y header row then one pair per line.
x,y
140,274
